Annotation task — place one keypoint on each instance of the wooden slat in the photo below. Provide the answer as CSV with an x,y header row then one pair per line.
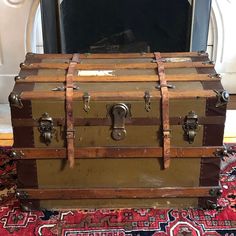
x,y
111,95
6,136
64,66
6,143
108,122
116,193
112,55
111,79
191,94
117,152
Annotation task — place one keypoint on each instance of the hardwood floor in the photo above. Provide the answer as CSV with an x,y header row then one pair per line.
x,y
6,136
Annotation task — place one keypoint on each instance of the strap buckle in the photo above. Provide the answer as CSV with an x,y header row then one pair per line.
x,y
70,134
166,133
170,86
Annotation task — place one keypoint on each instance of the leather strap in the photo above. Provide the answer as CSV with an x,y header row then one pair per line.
x,y
165,110
69,110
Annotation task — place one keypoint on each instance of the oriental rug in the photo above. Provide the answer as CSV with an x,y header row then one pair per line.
x,y
119,222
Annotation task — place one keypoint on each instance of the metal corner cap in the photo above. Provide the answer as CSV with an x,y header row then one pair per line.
x,y
15,100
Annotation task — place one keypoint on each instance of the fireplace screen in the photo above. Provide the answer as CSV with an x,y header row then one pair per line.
x,y
126,25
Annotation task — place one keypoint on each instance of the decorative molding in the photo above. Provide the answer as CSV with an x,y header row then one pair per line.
x,y
1,54
218,32
14,3
31,25
222,20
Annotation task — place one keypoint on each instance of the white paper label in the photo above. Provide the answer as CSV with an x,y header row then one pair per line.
x,y
95,73
177,59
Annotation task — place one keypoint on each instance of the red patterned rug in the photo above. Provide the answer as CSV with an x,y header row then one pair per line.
x,y
132,222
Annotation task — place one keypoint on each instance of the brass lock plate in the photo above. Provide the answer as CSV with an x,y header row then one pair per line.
x,y
119,114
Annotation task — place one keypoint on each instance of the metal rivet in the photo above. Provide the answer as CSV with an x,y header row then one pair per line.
x,y
22,64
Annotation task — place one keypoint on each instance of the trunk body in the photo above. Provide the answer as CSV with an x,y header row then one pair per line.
x,y
117,115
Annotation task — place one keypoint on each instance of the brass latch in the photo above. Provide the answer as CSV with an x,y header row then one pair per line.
x,y
191,126
86,100
46,128
147,100
119,112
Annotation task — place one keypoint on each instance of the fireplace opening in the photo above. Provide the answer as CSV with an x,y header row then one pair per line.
x,y
126,25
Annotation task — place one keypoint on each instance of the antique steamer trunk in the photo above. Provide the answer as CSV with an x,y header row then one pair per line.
x,y
118,130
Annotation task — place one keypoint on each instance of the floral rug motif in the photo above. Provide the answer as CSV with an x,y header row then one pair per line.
x,y
124,222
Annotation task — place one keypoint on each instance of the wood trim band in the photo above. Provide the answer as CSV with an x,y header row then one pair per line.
x,y
112,79
151,65
115,55
108,122
116,193
115,152
111,95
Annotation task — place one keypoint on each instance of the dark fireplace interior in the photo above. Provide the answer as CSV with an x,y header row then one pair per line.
x,y
126,25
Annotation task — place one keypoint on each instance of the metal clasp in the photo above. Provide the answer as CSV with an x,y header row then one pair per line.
x,y
215,192
202,53
119,112
222,98
11,153
17,78
215,76
46,128
208,62
190,126
16,154
63,88
147,99
22,194
86,100
169,86
225,152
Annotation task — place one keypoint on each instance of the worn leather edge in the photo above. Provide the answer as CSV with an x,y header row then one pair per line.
x,y
213,135
24,137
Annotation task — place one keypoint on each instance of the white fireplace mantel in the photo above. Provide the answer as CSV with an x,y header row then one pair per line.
x,y
221,41
18,32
